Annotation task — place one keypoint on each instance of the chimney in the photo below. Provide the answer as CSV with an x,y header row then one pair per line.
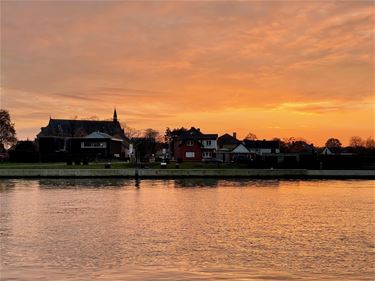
x,y
235,135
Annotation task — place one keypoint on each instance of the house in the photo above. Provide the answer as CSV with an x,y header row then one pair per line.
x,y
262,147
227,141
335,151
95,145
225,144
193,145
53,141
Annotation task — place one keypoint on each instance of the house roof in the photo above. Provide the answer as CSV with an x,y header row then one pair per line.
x,y
100,135
196,134
301,147
335,150
81,128
227,140
261,144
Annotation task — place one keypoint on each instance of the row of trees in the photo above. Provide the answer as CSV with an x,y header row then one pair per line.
x,y
355,142
8,135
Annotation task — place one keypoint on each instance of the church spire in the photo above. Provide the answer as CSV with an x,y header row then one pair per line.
x,y
115,115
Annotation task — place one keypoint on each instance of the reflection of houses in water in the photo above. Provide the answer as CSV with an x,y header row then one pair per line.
x,y
196,182
85,183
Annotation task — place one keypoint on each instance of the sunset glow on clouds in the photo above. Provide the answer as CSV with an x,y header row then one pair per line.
x,y
275,68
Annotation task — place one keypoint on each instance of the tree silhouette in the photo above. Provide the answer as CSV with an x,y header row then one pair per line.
x,y
7,130
169,134
151,134
370,143
251,136
132,133
356,141
332,142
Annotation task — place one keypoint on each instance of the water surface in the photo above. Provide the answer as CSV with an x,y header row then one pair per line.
x,y
192,229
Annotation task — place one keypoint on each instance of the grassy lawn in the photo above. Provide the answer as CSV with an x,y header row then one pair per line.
x,y
118,165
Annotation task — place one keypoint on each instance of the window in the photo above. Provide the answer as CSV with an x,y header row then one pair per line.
x,y
190,154
207,155
208,142
86,144
189,143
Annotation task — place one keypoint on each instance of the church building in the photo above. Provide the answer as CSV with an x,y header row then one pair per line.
x,y
66,138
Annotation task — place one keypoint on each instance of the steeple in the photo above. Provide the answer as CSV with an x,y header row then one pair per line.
x,y
115,115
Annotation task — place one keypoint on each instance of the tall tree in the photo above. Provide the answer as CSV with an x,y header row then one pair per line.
x,y
332,142
7,130
151,134
170,134
132,133
356,141
370,143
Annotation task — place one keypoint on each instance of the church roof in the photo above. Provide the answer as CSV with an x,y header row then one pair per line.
x,y
80,128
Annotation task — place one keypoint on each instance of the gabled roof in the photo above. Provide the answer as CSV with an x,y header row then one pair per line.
x,y
301,147
227,140
261,144
196,134
80,128
240,149
100,135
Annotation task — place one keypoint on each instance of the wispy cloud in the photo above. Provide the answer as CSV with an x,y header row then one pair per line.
x,y
162,62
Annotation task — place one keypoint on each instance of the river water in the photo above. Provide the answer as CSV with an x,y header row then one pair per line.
x,y
191,229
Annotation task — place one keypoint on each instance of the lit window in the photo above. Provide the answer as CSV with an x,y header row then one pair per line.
x,y
190,154
93,144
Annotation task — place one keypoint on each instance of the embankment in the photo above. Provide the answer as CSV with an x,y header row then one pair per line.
x,y
178,173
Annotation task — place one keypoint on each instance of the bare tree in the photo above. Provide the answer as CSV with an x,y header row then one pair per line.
x,y
356,141
370,143
332,142
93,118
132,133
251,136
151,134
7,130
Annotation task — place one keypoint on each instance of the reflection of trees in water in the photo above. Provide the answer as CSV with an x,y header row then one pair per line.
x,y
197,182
7,185
250,182
85,183
216,182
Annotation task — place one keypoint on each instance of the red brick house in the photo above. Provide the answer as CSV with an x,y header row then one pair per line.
x,y
193,145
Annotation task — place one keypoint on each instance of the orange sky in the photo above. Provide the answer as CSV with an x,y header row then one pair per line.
x,y
303,69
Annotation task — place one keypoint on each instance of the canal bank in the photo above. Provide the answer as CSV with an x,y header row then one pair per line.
x,y
184,173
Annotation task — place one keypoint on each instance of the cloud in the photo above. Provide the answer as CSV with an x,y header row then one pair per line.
x,y
167,59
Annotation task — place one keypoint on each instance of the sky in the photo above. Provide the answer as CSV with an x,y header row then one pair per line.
x,y
273,68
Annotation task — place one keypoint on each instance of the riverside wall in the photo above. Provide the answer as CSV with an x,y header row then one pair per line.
x,y
178,173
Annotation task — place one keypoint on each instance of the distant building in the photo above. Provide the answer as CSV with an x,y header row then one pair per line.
x,y
193,145
225,145
95,145
335,151
63,136
227,141
248,150
262,147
